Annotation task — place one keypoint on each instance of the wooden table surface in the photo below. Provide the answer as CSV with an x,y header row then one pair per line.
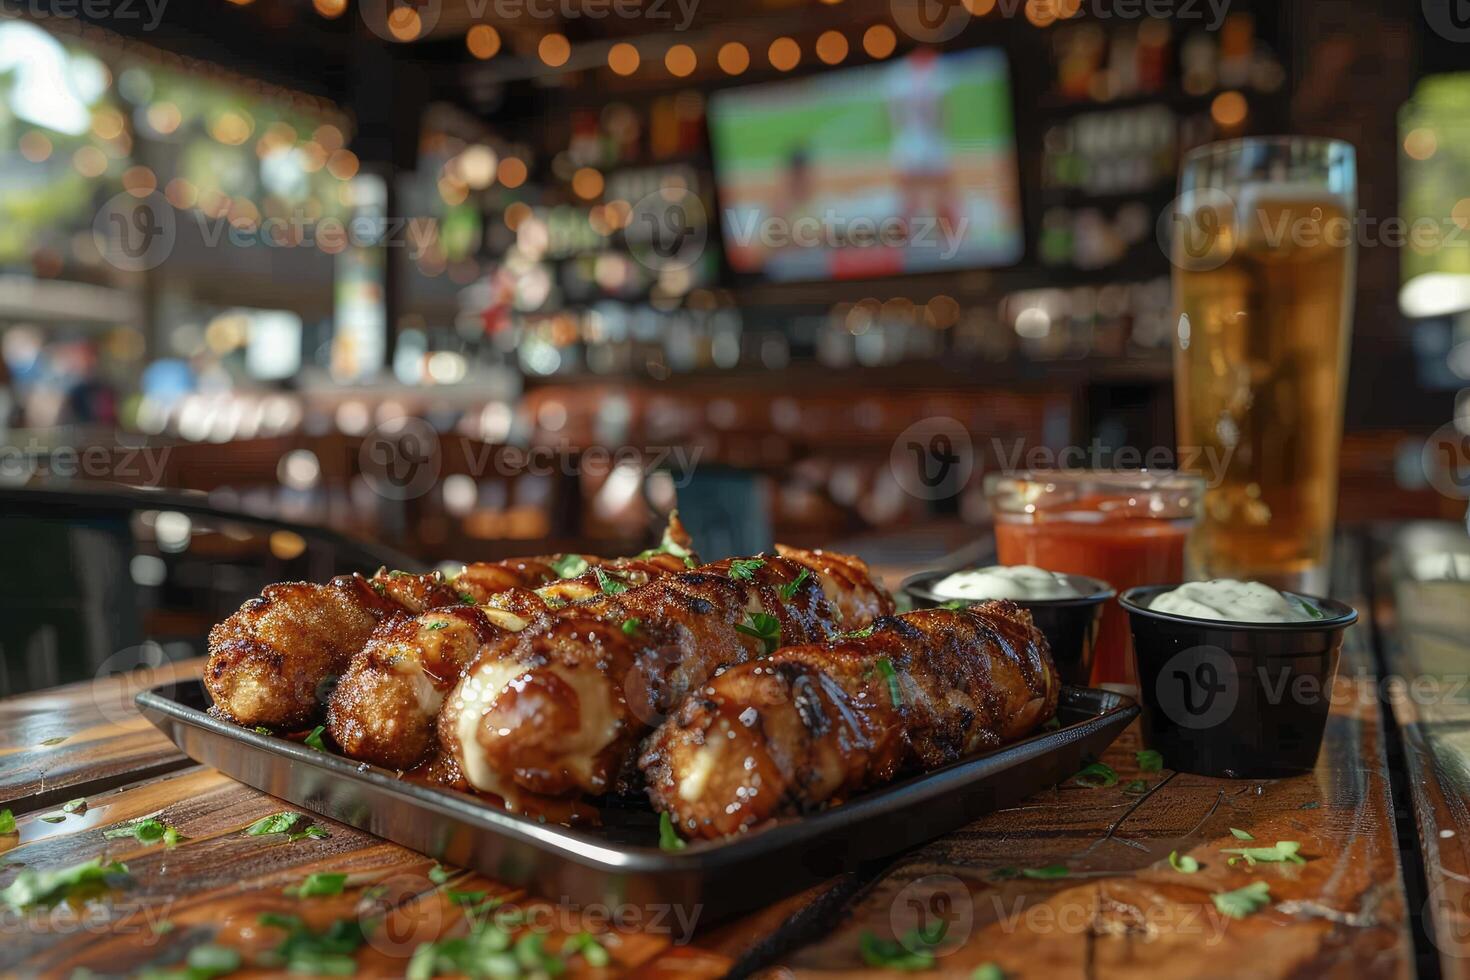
x,y
1117,909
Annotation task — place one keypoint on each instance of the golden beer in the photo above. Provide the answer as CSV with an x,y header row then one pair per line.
x,y
1263,283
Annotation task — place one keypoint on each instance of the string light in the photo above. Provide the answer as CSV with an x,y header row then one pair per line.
x,y
330,9
483,41
623,58
404,23
35,146
733,58
554,50
512,172
680,60
587,183
784,54
1228,109
831,47
879,41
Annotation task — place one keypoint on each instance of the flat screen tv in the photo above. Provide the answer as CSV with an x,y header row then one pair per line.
x,y
901,167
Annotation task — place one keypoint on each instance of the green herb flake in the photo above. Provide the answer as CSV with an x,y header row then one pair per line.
x,y
1184,864
77,806
1048,873
1136,788
861,634
439,874
276,823
744,569
569,566
1052,724
55,741
45,889
54,817
328,952
150,830
319,884
310,833
630,625
468,599
314,739
668,837
589,947
262,730
788,591
7,822
442,624
895,689
1096,776
987,971
1239,834
1149,760
909,953
764,627
1243,901
467,898
1285,851
207,960
608,582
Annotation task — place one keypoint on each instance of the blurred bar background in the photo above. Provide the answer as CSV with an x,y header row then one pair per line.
x,y
399,271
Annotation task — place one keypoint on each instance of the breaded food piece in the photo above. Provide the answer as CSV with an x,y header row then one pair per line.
x,y
810,725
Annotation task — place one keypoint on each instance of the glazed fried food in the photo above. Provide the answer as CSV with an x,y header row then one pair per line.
x,y
384,707
272,662
811,725
560,706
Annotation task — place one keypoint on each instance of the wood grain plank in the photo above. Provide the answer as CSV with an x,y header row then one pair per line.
x,y
84,737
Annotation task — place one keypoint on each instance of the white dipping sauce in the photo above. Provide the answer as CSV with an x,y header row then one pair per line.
x,y
1228,600
1006,582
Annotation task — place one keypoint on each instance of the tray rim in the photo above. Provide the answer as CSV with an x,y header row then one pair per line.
x,y
698,856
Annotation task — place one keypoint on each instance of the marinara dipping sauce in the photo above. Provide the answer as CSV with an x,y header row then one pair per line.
x,y
1126,527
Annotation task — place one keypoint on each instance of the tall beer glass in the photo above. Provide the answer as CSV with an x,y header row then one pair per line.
x,y
1263,248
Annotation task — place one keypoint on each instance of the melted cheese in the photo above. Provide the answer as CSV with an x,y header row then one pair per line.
x,y
692,782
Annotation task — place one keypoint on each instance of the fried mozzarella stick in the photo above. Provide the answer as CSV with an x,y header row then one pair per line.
x,y
560,707
383,708
270,663
811,725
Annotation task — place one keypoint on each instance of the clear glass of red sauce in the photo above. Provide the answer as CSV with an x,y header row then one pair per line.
x,y
1126,527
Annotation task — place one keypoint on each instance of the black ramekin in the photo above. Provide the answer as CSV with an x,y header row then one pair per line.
x,y
1069,625
1235,699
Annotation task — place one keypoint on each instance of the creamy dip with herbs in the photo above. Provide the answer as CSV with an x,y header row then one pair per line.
x,y
1228,600
1006,582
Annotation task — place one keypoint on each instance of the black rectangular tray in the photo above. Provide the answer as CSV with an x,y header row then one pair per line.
x,y
619,863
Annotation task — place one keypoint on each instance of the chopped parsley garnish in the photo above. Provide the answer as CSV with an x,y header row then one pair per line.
x,y
148,831
314,739
895,689
44,889
568,566
630,625
1284,851
861,634
608,582
1136,787
668,546
913,952
467,898
7,822
379,587
1149,760
1243,901
396,573
55,816
592,951
262,730
310,833
764,627
744,569
668,837
307,951
276,823
1184,864
987,971
467,599
439,625
788,591
1239,834
439,874
1046,873
77,806
319,883
1096,776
